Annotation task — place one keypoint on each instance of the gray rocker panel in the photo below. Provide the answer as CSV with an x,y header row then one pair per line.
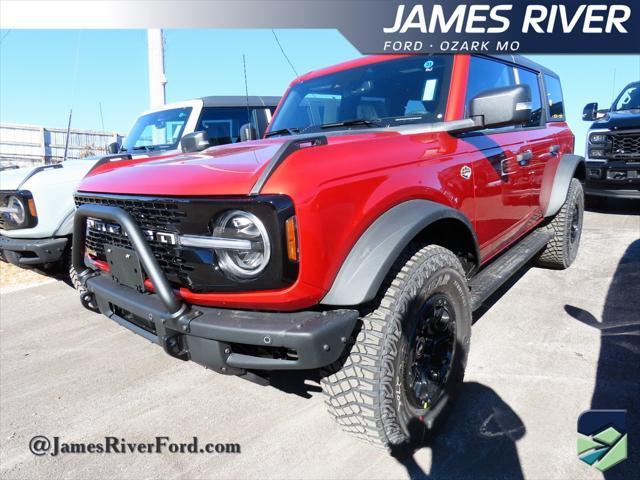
x,y
380,245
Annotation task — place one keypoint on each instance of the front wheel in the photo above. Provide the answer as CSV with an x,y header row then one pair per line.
x,y
409,357
86,298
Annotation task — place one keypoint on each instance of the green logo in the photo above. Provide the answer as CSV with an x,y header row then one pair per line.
x,y
602,438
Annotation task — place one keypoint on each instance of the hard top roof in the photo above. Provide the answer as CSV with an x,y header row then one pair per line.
x,y
240,101
371,59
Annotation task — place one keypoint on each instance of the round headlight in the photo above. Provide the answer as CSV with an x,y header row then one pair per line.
x,y
16,210
243,264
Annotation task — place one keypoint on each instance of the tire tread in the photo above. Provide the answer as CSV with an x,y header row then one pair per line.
x,y
358,393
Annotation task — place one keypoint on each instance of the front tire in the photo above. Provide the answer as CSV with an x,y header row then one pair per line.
x,y
566,227
75,281
86,299
409,357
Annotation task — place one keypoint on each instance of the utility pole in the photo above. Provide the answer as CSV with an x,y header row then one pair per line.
x,y
157,80
66,141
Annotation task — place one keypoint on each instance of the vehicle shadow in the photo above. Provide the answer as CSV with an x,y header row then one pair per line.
x,y
613,206
477,441
617,383
303,383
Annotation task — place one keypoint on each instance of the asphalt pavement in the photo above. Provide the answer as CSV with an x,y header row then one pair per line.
x,y
549,346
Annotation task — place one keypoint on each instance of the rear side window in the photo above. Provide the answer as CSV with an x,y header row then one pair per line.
x,y
222,124
485,74
554,98
525,77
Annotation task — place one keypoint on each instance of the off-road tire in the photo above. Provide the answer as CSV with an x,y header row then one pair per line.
x,y
562,249
364,395
68,269
87,300
73,277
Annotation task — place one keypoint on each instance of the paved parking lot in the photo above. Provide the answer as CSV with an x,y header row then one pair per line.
x,y
555,344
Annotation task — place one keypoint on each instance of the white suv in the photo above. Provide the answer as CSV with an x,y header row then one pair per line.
x,y
36,203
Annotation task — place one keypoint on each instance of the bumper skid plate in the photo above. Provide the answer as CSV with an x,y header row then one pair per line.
x,y
28,251
227,341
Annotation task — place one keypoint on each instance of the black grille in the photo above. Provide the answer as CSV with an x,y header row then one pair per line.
x,y
163,216
149,214
191,267
626,147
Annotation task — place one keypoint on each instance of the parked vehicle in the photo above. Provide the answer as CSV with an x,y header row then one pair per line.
x,y
389,199
613,146
36,204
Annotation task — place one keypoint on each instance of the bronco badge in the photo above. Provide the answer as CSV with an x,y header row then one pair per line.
x,y
465,172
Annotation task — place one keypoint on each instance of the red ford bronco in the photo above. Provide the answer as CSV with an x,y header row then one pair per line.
x,y
391,196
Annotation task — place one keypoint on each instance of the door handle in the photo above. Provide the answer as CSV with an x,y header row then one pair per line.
x,y
554,149
524,158
504,172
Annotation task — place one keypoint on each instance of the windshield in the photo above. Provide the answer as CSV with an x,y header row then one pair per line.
x,y
629,99
387,93
158,130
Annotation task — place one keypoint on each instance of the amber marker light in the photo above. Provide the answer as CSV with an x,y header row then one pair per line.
x,y
292,239
32,208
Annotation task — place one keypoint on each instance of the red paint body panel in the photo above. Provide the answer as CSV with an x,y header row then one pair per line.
x,y
119,163
341,188
224,170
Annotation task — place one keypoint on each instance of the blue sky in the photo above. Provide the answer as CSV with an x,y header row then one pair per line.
x,y
43,73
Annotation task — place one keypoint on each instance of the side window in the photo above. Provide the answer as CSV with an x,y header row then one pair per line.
x,y
554,99
222,124
525,77
485,74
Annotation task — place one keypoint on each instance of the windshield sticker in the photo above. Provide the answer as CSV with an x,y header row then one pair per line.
x,y
429,90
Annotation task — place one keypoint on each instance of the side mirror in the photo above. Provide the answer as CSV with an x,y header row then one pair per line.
x,y
590,112
502,107
195,142
113,148
247,132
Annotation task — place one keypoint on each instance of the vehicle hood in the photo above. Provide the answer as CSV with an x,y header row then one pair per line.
x,y
70,170
623,120
11,179
223,170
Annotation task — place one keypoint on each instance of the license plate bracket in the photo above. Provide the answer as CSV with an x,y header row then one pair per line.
x,y
124,267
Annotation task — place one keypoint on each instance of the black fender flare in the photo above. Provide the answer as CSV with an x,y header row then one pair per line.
x,y
375,252
566,170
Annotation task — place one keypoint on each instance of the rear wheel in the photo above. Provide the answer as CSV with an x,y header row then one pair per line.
x,y
566,227
409,357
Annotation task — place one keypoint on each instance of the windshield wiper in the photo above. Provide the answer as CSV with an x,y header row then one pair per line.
x,y
283,131
148,148
349,123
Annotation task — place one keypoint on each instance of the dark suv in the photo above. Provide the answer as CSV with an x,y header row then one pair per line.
x,y
613,146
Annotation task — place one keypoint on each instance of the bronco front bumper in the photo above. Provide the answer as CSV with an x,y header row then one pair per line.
x,y
231,342
29,251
